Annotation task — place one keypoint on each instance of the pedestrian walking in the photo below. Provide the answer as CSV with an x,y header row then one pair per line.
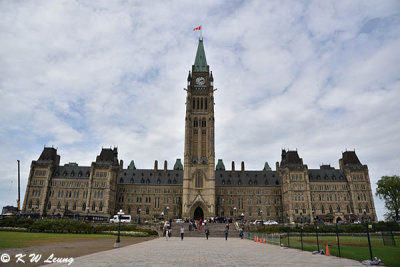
x,y
182,232
226,233
241,233
207,232
167,235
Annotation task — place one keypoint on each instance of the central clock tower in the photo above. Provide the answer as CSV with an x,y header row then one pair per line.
x,y
199,158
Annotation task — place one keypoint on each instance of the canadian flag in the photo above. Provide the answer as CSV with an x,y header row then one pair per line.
x,y
197,28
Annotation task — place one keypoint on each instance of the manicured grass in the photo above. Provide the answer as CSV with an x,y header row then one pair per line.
x,y
354,247
25,239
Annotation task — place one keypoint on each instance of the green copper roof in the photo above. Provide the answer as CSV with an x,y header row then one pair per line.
x,y
200,63
220,165
178,165
267,167
132,166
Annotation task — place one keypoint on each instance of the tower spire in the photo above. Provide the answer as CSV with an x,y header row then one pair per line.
x,y
200,62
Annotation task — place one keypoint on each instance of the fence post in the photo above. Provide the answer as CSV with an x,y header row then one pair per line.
x,y
383,239
337,239
280,236
369,241
393,240
288,238
301,237
316,231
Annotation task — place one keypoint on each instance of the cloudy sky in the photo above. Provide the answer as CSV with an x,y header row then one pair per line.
x,y
317,76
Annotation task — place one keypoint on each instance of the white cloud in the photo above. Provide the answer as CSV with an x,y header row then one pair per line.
x,y
317,76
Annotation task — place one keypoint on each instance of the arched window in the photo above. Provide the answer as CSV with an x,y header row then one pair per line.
x,y
93,206
59,205
74,206
101,206
348,209
129,210
330,209
132,181
121,180
37,203
322,209
49,205
66,206
195,123
203,123
198,180
83,206
30,204
367,208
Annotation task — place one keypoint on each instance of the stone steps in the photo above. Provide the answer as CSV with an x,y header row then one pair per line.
x,y
216,230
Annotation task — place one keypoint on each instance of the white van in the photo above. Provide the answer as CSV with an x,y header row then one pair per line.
x,y
124,218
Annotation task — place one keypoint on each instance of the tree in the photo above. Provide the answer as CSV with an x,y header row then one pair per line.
x,y
389,190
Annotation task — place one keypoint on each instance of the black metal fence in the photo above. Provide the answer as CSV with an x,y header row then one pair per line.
x,y
358,246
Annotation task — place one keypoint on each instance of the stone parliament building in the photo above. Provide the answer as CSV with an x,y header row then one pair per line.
x,y
200,188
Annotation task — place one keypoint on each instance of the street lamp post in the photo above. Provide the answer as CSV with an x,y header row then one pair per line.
x,y
167,213
242,215
139,210
117,243
235,210
261,213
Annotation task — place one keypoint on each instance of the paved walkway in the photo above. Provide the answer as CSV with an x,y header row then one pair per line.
x,y
201,252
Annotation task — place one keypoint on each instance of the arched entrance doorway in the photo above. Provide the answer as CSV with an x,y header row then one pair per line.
x,y
338,220
198,214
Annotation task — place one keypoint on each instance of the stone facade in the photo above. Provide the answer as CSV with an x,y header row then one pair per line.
x,y
199,188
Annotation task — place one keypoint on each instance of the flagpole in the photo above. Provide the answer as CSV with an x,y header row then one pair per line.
x,y
201,32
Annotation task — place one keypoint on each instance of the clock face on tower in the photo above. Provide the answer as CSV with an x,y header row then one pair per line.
x,y
200,81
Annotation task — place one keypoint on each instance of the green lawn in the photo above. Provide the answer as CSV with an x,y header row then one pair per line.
x,y
24,239
354,247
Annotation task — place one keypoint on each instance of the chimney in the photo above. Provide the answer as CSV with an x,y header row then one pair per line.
x,y
243,166
233,166
165,166
155,166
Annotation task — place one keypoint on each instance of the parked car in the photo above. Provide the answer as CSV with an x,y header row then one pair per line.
x,y
270,222
257,222
179,221
124,218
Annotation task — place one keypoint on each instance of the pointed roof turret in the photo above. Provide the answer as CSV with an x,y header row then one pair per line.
x,y
200,63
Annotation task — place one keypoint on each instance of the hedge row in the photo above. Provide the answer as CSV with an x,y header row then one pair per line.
x,y
67,226
346,228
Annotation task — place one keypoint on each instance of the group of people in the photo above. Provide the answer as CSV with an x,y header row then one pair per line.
x,y
168,232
